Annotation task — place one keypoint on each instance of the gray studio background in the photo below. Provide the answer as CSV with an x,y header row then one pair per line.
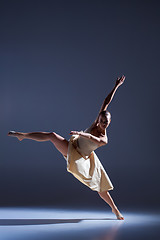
x,y
59,60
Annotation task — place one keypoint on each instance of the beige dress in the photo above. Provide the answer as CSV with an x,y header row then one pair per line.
x,y
84,164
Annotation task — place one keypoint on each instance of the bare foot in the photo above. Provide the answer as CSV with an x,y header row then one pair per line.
x,y
118,214
16,134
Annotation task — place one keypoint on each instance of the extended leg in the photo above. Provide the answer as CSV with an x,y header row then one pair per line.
x,y
108,199
59,142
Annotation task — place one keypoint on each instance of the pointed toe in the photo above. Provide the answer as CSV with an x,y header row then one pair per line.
x,y
11,132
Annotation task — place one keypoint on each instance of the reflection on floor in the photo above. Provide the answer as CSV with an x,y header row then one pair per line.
x,y
64,224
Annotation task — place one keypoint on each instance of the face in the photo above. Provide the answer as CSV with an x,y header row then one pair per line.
x,y
104,121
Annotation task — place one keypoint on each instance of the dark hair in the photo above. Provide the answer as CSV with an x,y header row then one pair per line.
x,y
105,114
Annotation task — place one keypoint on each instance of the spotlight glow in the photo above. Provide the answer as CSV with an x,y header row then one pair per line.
x,y
40,223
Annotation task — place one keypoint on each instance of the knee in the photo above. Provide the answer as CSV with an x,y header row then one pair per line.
x,y
52,135
102,194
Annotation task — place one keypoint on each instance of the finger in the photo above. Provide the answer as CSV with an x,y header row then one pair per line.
x,y
71,132
74,132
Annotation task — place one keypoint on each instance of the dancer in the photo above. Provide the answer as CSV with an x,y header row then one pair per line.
x,y
79,153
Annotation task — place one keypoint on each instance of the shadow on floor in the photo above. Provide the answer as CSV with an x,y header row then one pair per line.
x,y
6,222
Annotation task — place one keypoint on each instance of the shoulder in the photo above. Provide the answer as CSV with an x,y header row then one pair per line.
x,y
103,140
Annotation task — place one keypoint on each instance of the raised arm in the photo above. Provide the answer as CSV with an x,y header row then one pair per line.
x,y
109,98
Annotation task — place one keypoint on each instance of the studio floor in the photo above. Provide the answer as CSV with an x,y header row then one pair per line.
x,y
68,224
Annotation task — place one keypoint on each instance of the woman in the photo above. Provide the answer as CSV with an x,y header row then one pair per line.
x,y
79,153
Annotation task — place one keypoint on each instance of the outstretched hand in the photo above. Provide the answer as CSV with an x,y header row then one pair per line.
x,y
120,80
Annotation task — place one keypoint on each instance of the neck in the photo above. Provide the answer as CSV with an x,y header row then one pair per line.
x,y
100,130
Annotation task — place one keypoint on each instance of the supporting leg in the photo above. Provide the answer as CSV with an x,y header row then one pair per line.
x,y
108,199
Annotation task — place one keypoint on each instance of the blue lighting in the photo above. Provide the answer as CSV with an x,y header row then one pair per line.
x,y
50,223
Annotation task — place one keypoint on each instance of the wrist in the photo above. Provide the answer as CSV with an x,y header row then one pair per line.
x,y
116,85
81,133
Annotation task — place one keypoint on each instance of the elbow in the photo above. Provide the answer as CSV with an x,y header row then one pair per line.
x,y
103,142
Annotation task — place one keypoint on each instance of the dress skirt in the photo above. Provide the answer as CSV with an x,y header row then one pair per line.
x,y
87,169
